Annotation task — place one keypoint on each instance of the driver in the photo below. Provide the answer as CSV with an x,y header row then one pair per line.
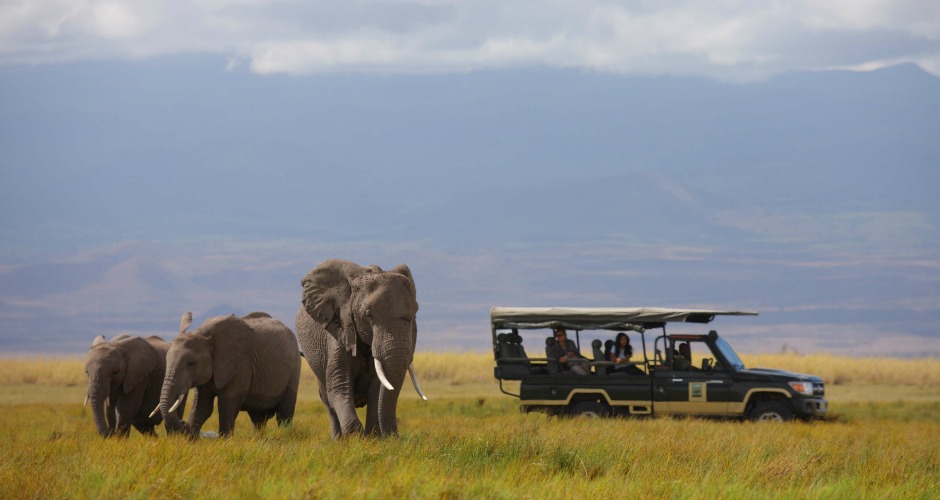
x,y
682,360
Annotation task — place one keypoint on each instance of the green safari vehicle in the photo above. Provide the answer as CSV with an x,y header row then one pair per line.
x,y
689,374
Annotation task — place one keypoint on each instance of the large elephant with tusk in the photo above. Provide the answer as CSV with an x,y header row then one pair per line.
x,y
249,363
358,332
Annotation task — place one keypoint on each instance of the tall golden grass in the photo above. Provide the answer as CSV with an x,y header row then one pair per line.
x,y
470,441
468,368
851,370
463,448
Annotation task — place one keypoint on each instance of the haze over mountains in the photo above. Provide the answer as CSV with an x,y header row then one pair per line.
x,y
171,186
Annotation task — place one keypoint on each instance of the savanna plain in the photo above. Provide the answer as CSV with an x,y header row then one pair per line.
x,y
469,440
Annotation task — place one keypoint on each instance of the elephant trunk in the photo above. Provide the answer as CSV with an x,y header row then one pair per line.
x,y
170,396
393,360
98,390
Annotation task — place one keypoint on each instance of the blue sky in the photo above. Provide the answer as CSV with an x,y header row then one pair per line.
x,y
202,156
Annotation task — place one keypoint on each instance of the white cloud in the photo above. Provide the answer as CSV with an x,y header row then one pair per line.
x,y
115,21
728,39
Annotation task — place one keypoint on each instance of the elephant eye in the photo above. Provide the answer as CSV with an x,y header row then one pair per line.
x,y
405,319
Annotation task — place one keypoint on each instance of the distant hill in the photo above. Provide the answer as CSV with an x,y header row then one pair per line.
x,y
134,192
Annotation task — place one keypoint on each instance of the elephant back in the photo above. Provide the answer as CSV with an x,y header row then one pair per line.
x,y
273,334
159,344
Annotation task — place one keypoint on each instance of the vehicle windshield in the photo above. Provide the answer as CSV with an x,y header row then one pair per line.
x,y
729,354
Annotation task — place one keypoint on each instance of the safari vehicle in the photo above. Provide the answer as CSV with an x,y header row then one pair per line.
x,y
713,382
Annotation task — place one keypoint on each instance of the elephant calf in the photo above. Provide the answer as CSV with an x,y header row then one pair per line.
x,y
126,374
250,363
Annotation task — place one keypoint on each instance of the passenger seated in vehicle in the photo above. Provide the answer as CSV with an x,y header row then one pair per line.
x,y
682,360
566,352
620,351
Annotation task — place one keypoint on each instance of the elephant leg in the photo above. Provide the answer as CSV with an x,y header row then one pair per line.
x,y
202,410
258,418
229,407
125,412
285,409
340,390
130,410
123,430
145,429
372,408
335,432
346,416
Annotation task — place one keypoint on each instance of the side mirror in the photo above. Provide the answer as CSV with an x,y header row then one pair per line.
x,y
707,364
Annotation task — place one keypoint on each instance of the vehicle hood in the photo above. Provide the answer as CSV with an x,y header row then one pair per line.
x,y
782,375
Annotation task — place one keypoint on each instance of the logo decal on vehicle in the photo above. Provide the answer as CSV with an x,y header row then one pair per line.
x,y
697,391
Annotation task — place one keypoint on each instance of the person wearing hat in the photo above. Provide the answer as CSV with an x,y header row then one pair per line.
x,y
564,350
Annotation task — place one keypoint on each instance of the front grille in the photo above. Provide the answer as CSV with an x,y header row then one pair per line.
x,y
819,390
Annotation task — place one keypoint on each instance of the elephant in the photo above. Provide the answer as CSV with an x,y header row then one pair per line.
x,y
125,376
249,363
356,326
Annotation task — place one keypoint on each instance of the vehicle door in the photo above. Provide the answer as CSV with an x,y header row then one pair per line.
x,y
685,388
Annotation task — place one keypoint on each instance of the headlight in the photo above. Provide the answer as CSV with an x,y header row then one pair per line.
x,y
804,388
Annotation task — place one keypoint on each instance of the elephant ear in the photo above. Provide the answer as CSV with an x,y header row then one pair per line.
x,y
140,359
185,321
405,271
327,299
231,339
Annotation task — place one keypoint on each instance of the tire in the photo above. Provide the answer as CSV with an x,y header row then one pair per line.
x,y
589,409
771,411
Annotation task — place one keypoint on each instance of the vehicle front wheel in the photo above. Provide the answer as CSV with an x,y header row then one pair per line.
x,y
590,409
771,411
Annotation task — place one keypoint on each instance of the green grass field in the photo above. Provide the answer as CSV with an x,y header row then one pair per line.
x,y
470,440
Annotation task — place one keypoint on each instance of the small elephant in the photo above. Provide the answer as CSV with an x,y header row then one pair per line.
x,y
250,363
125,374
358,332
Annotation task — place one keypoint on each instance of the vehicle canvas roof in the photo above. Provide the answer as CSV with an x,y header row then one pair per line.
x,y
606,318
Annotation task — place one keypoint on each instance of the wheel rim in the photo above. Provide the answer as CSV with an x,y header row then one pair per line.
x,y
590,414
770,416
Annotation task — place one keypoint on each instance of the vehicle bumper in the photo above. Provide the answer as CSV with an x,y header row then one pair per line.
x,y
811,407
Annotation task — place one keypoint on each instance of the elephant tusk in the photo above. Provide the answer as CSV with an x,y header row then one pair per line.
x,y
177,403
85,403
381,374
414,380
155,411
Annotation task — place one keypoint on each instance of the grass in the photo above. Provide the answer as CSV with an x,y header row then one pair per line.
x,y
470,441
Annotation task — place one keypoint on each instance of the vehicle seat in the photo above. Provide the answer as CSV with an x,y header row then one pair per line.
x,y
598,353
512,361
552,363
510,345
602,366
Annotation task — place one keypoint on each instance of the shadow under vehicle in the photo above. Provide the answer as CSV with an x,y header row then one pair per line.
x,y
711,382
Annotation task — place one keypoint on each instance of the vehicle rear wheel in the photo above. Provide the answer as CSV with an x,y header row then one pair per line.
x,y
589,409
771,411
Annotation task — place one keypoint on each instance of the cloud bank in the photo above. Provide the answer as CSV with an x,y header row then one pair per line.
x,y
729,40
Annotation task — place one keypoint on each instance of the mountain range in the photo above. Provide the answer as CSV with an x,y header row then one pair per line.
x,y
133,192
